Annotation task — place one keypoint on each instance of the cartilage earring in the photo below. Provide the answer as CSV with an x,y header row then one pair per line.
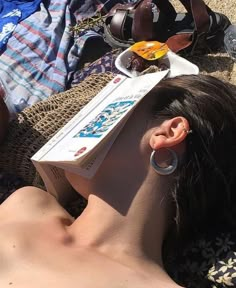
x,y
188,131
164,170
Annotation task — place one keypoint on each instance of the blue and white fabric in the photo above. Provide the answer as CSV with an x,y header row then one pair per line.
x,y
42,54
11,13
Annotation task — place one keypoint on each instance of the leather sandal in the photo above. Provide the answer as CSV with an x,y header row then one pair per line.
x,y
126,24
198,29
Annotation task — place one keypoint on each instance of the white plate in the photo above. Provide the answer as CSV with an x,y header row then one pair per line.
x,y
176,64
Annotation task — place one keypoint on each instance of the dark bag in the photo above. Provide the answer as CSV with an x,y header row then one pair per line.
x,y
198,29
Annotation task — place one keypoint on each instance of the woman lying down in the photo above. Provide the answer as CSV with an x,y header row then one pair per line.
x,y
171,169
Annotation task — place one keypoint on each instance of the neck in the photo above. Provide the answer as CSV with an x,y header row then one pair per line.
x,y
126,221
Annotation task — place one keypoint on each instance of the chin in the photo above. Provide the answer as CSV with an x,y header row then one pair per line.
x,y
79,183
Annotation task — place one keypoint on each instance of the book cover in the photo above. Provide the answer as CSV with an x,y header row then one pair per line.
x,y
83,143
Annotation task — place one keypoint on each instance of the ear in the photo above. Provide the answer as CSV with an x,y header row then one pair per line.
x,y
170,133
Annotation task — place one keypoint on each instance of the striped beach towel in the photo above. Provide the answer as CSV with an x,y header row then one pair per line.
x,y
42,54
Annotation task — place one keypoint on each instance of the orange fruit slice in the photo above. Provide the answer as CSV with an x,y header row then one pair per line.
x,y
150,50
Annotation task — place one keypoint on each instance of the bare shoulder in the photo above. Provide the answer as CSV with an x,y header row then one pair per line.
x,y
31,201
29,195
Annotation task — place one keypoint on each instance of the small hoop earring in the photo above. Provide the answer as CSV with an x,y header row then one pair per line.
x,y
164,170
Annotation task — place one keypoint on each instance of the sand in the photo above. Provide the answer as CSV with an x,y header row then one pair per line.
x,y
216,64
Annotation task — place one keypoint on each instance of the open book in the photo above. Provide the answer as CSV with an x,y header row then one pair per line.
x,y
83,143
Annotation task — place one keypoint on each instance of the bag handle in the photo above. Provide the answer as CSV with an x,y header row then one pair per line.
x,y
142,27
200,12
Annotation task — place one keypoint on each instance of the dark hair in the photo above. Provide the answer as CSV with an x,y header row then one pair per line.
x,y
206,180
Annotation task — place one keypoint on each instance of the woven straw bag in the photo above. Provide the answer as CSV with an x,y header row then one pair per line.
x,y
37,124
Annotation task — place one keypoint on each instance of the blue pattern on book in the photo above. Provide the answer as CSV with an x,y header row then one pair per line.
x,y
104,120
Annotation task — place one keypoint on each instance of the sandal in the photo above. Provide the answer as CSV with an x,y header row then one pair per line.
x,y
126,24
198,29
230,41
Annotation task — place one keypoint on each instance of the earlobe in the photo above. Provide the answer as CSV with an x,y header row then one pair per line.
x,y
170,133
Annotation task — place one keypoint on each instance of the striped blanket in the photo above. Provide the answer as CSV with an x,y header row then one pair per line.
x,y
42,54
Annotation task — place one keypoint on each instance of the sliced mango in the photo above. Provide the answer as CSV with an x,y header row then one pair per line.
x,y
150,50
